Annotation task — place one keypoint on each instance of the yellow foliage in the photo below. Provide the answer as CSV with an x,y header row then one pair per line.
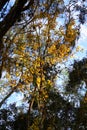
x,y
37,62
53,60
85,99
52,49
70,32
38,81
64,49
49,128
49,82
12,83
36,46
79,48
8,76
31,70
42,46
35,125
17,74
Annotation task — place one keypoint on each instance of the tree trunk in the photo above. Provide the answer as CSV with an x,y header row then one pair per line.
x,y
9,21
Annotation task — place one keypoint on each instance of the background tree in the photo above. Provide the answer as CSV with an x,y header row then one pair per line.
x,y
59,114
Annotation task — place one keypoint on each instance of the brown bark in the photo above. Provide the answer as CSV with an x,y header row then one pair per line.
x,y
11,17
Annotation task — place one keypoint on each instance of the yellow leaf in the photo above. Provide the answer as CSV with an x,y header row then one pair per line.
x,y
38,81
49,82
17,74
35,46
52,49
8,76
79,48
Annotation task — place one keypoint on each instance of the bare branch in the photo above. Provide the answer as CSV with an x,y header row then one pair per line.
x,y
7,96
2,3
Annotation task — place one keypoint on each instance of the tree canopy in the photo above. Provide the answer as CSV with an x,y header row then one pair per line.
x,y
34,37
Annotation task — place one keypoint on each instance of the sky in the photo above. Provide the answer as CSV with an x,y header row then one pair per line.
x,y
83,40
82,43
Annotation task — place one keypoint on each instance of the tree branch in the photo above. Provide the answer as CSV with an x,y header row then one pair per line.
x,y
1,103
9,21
11,17
2,3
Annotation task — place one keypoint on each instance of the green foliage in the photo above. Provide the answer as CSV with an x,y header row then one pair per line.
x,y
78,74
58,114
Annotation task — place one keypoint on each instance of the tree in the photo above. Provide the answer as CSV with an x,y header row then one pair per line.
x,y
9,19
59,114
20,8
28,52
78,75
